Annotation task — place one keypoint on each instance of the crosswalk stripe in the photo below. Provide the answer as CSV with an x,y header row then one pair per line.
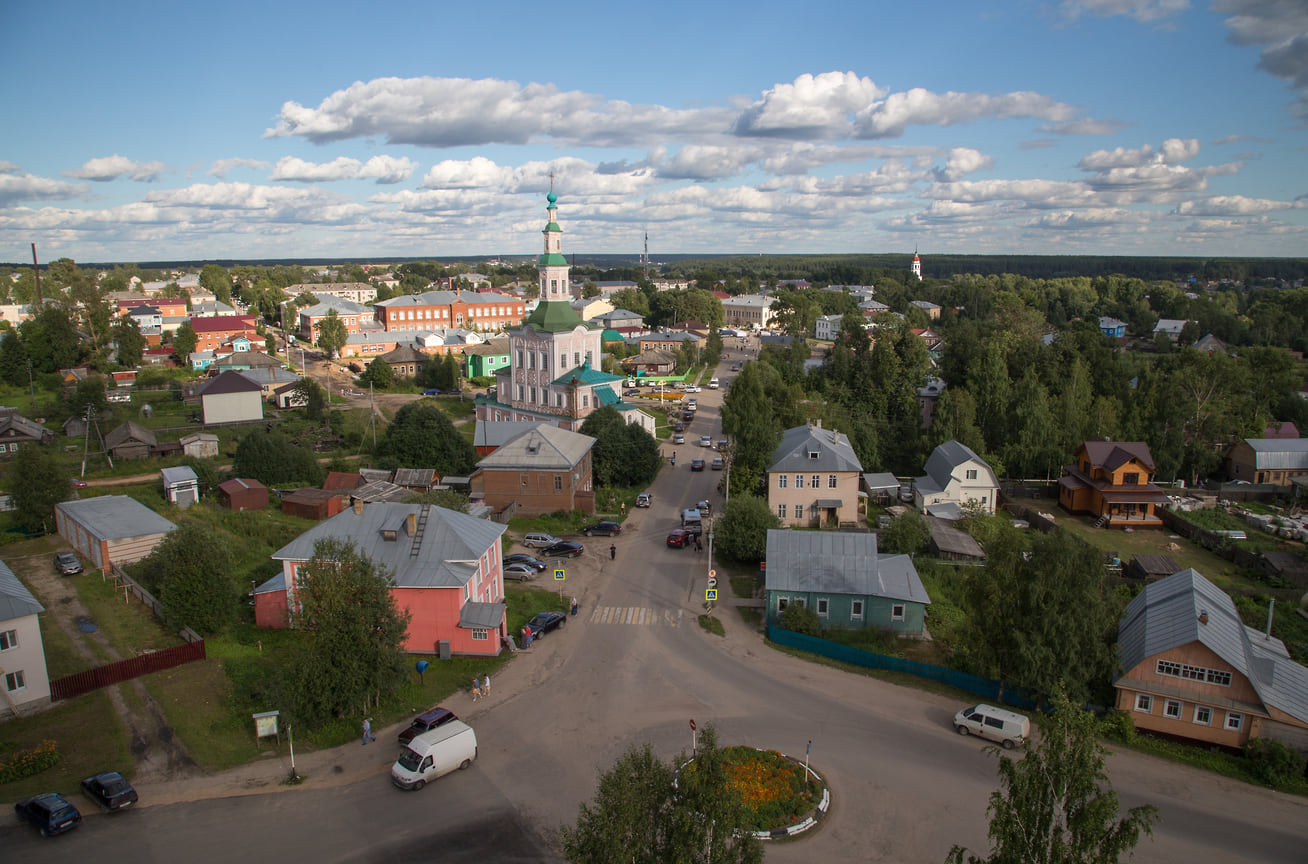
x,y
638,616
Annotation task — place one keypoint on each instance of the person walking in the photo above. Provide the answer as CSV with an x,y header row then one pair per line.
x,y
613,552
367,731
624,508
574,605
485,685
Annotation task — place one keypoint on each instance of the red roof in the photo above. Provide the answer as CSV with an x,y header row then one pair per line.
x,y
222,323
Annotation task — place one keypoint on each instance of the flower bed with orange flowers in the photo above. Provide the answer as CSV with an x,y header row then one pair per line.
x,y
773,787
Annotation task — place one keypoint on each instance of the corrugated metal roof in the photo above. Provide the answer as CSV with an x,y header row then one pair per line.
x,y
812,448
839,563
1273,454
179,474
485,615
452,543
543,446
115,517
15,600
942,463
1167,615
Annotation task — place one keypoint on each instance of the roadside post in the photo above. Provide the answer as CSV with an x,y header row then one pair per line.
x,y
559,576
694,745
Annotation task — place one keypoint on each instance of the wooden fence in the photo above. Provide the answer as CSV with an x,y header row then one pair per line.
x,y
131,586
125,670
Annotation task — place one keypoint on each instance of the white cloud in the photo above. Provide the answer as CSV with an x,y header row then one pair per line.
x,y
703,162
820,106
1233,205
220,167
963,161
1280,29
106,168
1143,11
8,167
1171,152
387,170
919,107
1084,126
470,174
27,187
300,171
1040,194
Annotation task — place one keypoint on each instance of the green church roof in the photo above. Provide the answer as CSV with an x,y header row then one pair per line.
x,y
553,226
553,259
553,316
584,374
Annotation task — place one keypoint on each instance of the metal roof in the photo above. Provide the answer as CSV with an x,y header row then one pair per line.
x,y
544,446
115,517
942,463
179,474
812,448
449,547
877,482
839,563
1272,454
479,614
15,600
1185,607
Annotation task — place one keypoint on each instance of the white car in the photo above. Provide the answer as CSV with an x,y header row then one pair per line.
x,y
706,440
692,388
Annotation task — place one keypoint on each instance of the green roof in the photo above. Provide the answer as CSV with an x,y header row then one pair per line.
x,y
584,374
553,226
553,259
611,336
553,316
605,395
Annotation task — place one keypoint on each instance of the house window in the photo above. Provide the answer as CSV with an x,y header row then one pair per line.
x,y
533,396
812,454
831,481
15,681
479,634
782,602
799,481
531,359
971,474
585,400
1132,479
814,482
544,360
1144,703
801,602
1172,708
897,612
1234,721
523,478
1203,715
8,639
576,358
563,360
781,481
822,606
799,511
781,511
519,392
856,610
558,482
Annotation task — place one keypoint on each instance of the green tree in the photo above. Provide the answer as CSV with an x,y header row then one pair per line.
x,y
1039,614
215,279
422,436
192,570
36,483
274,461
131,344
379,374
742,532
1056,805
52,339
650,812
352,655
907,535
14,369
748,417
309,393
184,342
332,334
624,454
799,618
89,393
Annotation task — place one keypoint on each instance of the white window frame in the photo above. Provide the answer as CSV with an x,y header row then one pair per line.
x,y
781,481
799,511
833,482
781,511
897,611
480,634
15,681
856,610
8,639
815,481
1144,703
1234,721
971,474
1172,708
1206,719
823,607
799,481
782,603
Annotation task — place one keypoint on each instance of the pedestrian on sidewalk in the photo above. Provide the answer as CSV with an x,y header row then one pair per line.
x,y
367,731
613,552
476,688
485,685
624,508
574,605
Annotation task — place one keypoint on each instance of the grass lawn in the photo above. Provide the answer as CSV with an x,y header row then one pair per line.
x,y
90,739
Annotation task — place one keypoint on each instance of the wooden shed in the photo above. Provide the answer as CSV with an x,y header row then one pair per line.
x,y
130,440
1150,567
313,503
242,495
952,544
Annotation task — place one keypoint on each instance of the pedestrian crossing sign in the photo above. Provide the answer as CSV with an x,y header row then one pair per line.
x,y
711,594
558,574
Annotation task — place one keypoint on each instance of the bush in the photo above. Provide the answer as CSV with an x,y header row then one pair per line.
x,y
28,763
800,619
1272,762
1117,726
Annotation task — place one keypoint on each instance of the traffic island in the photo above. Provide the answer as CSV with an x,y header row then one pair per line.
x,y
782,797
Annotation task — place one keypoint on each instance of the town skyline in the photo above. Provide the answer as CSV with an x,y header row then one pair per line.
x,y
1085,127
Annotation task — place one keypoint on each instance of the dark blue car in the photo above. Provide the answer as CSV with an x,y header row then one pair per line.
x,y
50,813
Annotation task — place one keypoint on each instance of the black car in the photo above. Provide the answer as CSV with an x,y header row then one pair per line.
x,y
631,391
426,722
522,558
110,790
50,813
696,464
608,529
563,549
545,622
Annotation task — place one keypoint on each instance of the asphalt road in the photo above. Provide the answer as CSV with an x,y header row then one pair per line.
x,y
635,667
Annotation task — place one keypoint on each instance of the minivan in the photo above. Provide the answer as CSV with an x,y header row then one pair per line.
x,y
713,383
539,540
1008,728
691,517
434,754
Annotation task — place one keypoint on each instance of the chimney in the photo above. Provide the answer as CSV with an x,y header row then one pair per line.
x,y
1203,617
411,524
358,506
818,423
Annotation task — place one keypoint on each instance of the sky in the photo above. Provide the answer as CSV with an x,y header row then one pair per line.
x,y
148,131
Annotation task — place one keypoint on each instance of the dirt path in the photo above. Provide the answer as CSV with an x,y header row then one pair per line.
x,y
157,752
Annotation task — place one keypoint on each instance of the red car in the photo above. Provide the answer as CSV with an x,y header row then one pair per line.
x,y
680,537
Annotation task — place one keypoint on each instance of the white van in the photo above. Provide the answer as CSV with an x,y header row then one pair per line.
x,y
691,517
986,721
713,383
433,754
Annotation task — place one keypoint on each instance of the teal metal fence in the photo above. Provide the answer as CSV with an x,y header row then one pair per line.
x,y
975,684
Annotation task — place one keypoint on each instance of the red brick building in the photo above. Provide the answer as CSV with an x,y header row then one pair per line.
x,y
213,330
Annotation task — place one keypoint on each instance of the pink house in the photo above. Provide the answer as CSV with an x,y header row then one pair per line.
x,y
445,568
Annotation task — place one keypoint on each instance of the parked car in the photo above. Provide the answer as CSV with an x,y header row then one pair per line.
x,y
713,383
523,558
50,813
680,537
687,416
679,426
678,438
692,404
521,572
110,790
67,563
78,483
704,507
434,754
706,440
1009,728
545,622
539,540
696,464
563,549
432,392
425,722
631,391
692,388
722,445
606,528
718,463
735,367
644,499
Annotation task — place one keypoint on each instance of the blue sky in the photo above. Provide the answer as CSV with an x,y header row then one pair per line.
x,y
141,131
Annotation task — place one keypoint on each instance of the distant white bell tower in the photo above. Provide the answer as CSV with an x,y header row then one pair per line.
x,y
917,266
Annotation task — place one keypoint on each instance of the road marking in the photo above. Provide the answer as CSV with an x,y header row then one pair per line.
x,y
636,616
